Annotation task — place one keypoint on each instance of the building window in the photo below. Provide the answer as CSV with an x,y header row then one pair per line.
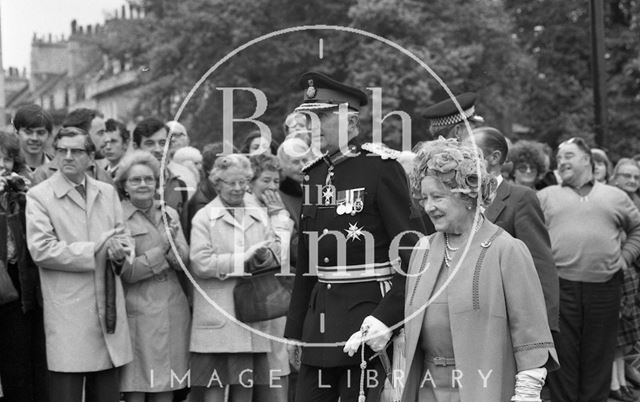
x,y
51,103
66,97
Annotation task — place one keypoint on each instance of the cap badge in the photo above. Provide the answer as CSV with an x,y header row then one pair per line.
x,y
311,91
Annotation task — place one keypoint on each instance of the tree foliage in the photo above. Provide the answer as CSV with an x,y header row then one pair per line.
x,y
529,61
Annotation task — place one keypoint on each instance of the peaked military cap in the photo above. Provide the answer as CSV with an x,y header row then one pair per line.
x,y
446,113
322,92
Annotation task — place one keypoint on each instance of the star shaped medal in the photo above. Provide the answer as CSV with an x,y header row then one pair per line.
x,y
354,232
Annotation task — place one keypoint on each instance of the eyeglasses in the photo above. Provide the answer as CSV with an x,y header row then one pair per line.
x,y
138,180
526,168
629,176
75,152
241,183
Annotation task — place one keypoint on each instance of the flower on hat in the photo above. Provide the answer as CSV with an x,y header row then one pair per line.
x,y
459,167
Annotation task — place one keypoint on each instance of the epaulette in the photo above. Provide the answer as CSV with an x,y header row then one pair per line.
x,y
312,163
380,149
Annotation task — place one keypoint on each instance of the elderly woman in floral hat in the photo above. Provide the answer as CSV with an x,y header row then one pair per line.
x,y
476,325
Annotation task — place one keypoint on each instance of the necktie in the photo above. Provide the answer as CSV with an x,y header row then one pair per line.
x,y
80,189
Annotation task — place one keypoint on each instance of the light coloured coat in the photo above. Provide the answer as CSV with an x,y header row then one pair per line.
x,y
157,308
218,241
496,311
64,234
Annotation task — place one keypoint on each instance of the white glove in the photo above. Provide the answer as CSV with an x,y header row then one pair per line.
x,y
529,384
375,333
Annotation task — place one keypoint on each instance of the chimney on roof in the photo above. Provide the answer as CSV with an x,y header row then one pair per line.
x,y
89,29
24,72
74,25
80,31
124,16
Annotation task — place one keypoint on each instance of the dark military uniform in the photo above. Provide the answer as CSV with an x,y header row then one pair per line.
x,y
354,205
330,305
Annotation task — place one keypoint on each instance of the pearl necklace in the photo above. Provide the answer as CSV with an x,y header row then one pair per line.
x,y
449,250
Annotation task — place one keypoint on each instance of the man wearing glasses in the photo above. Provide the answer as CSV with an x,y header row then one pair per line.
x,y
74,225
91,122
586,222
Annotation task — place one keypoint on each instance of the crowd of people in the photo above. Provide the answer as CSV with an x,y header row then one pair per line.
x,y
469,269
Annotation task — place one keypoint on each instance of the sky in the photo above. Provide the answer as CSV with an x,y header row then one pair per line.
x,y
21,18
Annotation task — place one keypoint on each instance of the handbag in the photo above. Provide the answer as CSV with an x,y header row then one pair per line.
x,y
8,291
262,296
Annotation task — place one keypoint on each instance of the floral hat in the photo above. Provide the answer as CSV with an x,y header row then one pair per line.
x,y
459,167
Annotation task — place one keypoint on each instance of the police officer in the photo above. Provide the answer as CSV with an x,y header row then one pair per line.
x,y
355,202
446,120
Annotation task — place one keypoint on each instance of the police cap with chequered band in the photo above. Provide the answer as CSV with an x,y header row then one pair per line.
x,y
323,92
446,113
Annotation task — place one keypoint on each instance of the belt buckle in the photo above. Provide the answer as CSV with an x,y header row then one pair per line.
x,y
441,361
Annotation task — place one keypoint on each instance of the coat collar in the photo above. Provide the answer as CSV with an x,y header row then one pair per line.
x,y
499,202
129,209
251,210
62,187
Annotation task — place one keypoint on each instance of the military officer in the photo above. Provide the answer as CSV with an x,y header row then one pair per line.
x,y
355,202
446,120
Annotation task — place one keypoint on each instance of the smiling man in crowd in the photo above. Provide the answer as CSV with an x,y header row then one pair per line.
x,y
586,222
33,126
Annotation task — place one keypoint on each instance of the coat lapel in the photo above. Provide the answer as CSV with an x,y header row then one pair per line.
x,y
495,209
62,187
92,193
425,269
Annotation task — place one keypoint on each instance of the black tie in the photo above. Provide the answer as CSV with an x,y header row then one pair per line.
x,y
80,189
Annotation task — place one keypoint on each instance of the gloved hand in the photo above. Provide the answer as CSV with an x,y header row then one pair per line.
x,y
375,333
529,384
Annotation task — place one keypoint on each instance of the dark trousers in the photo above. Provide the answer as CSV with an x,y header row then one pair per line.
x,y
23,361
327,384
587,342
100,386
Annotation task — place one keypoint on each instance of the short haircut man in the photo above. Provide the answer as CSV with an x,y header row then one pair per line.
x,y
587,221
293,154
74,227
33,126
517,210
116,143
91,121
177,135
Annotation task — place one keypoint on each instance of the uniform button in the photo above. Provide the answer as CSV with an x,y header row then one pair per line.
x,y
325,231
328,286
326,259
